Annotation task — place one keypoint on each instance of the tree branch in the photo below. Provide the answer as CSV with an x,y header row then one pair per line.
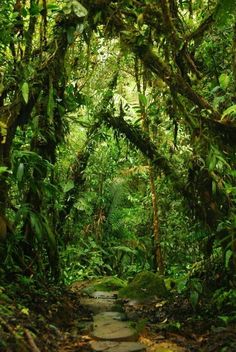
x,y
174,80
198,34
170,27
141,141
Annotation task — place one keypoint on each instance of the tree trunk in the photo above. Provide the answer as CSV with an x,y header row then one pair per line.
x,y
158,257
234,56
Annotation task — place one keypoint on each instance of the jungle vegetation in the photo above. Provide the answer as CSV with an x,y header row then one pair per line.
x,y
118,140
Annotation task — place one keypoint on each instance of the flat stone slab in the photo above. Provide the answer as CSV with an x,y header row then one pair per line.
x,y
108,317
111,346
104,295
97,305
114,331
111,326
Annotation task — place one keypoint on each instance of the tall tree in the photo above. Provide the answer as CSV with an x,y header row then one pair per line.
x,y
141,82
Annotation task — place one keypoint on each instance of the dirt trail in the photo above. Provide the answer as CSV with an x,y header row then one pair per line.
x,y
57,319
112,332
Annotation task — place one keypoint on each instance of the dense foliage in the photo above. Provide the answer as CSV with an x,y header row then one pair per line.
x,y
117,141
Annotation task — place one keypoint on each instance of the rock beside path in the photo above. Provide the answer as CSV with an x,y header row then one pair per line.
x,y
145,287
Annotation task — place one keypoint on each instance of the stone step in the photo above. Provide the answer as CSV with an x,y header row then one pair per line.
x,y
97,305
111,326
114,330
108,316
112,346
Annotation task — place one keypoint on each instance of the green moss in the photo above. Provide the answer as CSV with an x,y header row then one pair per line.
x,y
144,286
105,284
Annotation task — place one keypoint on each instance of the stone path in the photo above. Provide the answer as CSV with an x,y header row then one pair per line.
x,y
111,331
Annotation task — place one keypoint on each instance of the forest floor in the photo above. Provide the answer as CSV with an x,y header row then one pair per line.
x,y
52,319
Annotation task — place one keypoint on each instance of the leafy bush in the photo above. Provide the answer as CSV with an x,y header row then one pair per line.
x,y
83,261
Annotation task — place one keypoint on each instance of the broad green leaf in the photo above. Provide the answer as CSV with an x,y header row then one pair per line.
x,y
3,169
140,20
70,34
53,7
215,89
25,91
230,111
97,17
68,186
20,172
36,225
143,99
50,236
194,297
79,9
228,255
224,80
80,28
197,286
212,163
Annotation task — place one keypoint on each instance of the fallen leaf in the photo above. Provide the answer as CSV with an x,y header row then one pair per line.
x,y
25,311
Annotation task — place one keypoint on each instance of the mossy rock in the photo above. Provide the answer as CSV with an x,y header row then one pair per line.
x,y
144,286
105,284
